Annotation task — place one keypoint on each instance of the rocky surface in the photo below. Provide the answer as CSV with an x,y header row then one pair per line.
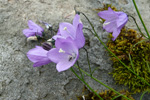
x,y
20,81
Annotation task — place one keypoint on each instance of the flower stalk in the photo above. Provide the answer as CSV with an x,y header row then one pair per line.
x,y
141,18
85,83
137,26
88,60
101,82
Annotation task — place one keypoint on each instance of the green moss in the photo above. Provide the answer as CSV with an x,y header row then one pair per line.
x,y
122,47
105,7
106,95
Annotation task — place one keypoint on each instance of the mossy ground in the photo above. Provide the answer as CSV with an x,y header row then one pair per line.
x,y
106,95
126,46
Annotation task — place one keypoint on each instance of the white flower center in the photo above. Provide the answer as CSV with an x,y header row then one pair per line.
x,y
61,50
65,28
106,24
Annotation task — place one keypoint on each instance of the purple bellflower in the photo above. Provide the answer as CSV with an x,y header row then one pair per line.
x,y
38,56
65,54
74,31
34,30
114,21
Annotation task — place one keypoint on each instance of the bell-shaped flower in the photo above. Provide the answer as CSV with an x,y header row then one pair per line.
x,y
74,31
114,21
38,56
34,30
65,54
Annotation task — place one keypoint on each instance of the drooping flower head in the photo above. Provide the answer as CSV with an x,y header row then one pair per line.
x,y
34,30
74,31
114,21
65,54
48,26
38,56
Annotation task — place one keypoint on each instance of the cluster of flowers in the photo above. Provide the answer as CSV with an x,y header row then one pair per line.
x,y
69,39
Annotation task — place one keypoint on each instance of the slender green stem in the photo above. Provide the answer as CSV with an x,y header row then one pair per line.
x,y
131,62
138,43
89,22
86,83
141,18
88,60
143,95
116,97
80,71
102,83
89,30
112,52
137,25
94,70
148,66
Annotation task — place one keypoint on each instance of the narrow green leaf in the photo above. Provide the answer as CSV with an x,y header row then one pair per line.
x,y
148,66
142,95
138,43
131,63
94,70
116,97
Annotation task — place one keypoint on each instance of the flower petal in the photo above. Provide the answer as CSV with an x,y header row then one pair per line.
x,y
108,14
38,56
41,62
110,26
57,36
67,30
80,40
38,51
28,32
76,21
55,56
67,45
115,34
64,65
32,25
122,20
36,28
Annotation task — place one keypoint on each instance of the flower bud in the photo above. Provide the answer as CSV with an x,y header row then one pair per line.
x,y
32,38
47,46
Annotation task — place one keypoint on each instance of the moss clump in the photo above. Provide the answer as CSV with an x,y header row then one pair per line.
x,y
106,95
105,7
128,43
